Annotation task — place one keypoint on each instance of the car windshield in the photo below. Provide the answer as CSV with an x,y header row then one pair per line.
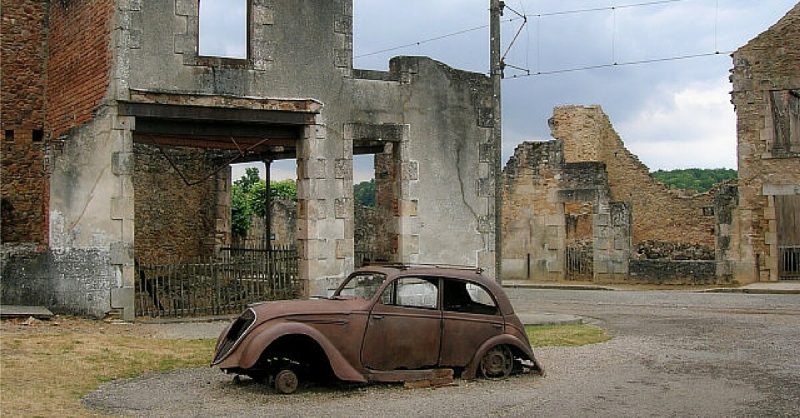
x,y
360,285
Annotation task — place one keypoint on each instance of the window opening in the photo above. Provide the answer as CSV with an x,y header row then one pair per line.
x,y
412,292
786,120
9,135
466,297
223,28
37,135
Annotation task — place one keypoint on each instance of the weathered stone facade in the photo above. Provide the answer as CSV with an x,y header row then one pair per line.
x,y
766,94
127,73
176,219
582,206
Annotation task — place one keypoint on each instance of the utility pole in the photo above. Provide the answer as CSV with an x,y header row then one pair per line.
x,y
496,9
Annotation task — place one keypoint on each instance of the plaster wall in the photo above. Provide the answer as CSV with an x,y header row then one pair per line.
x,y
303,49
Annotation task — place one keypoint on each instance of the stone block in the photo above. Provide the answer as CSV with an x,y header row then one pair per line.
x,y
186,7
122,163
410,170
122,208
122,297
263,15
342,208
343,169
408,208
344,248
121,254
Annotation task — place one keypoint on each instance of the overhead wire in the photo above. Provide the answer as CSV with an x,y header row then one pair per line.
x,y
538,71
622,64
539,15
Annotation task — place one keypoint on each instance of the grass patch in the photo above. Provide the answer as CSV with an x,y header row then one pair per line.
x,y
565,335
46,371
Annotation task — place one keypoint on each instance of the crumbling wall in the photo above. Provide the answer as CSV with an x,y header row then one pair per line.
x,y
765,70
572,210
533,217
24,178
176,221
283,226
76,140
659,214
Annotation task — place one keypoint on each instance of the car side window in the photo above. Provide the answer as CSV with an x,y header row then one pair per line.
x,y
412,292
461,296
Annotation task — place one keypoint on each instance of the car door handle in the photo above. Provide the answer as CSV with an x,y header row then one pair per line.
x,y
377,317
498,326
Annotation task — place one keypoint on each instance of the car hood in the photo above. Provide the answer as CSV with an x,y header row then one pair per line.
x,y
288,308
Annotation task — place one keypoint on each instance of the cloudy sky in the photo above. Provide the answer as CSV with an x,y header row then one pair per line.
x,y
674,114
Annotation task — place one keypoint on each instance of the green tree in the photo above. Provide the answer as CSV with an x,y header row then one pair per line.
x,y
698,179
247,198
364,193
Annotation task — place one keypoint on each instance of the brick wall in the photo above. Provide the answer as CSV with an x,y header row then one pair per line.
x,y
769,62
659,214
24,180
174,221
79,62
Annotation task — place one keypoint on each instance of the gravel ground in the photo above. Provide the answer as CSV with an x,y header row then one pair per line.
x,y
674,354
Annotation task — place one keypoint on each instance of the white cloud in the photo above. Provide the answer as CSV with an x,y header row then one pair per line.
x,y
685,127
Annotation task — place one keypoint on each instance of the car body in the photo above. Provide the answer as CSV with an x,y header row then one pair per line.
x,y
383,323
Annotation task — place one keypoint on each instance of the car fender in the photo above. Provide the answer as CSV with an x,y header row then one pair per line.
x,y
255,346
471,370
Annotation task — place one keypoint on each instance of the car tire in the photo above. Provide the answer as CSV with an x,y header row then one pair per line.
x,y
286,382
497,363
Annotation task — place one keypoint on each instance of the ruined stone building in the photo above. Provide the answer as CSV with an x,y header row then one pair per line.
x,y
765,235
117,137
584,207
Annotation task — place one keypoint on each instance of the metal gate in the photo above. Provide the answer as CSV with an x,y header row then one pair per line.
x,y
789,268
217,285
787,211
580,262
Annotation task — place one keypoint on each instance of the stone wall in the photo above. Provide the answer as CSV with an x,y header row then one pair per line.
x,y
177,221
765,71
22,85
533,219
673,272
284,226
659,214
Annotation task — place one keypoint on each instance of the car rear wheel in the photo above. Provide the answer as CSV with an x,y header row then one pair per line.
x,y
286,381
497,363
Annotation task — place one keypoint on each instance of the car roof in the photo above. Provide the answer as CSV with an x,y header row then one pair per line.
x,y
470,274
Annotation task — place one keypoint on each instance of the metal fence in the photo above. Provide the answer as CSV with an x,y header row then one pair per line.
x,y
217,285
789,262
579,263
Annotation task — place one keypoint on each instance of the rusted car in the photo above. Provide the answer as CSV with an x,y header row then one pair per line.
x,y
388,323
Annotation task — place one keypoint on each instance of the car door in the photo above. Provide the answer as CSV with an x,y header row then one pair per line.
x,y
404,326
470,317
